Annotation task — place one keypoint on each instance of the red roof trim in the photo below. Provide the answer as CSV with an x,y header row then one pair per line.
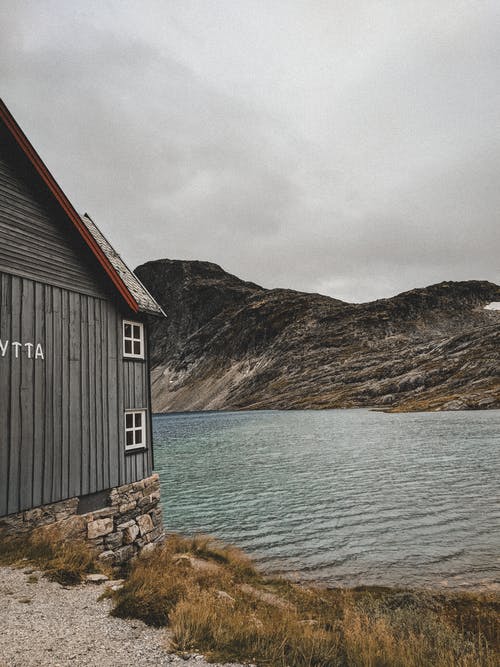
x,y
65,204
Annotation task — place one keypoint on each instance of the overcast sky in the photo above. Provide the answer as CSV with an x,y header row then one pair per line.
x,y
346,147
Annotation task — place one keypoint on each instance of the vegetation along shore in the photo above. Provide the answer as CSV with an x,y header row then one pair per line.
x,y
211,600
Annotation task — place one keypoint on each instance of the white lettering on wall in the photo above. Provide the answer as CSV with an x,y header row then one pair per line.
x,y
17,349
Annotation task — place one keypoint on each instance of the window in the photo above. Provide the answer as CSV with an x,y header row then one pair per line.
x,y
135,429
133,339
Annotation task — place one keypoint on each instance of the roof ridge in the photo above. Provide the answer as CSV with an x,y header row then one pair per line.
x,y
144,298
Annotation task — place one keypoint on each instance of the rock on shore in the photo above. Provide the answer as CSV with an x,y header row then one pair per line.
x,y
229,344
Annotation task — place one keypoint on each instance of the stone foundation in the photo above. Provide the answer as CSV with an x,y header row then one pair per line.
x,y
128,518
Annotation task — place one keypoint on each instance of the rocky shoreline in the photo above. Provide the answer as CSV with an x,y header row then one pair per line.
x,y
196,601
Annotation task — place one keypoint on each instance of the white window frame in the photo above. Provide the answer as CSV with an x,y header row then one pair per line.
x,y
133,339
134,428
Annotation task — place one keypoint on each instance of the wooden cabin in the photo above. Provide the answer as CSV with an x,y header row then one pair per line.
x,y
75,407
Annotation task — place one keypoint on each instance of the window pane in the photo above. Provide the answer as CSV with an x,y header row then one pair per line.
x,y
127,331
138,419
130,438
138,436
137,331
129,420
128,347
137,347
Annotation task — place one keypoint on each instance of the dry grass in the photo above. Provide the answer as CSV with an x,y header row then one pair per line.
x,y
159,581
409,639
215,602
257,633
64,560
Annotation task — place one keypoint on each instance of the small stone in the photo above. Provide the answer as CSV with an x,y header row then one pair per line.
x,y
114,540
157,534
96,578
124,554
96,543
130,533
34,515
222,595
145,524
150,489
106,557
115,584
73,527
148,548
156,516
126,507
269,598
99,527
198,564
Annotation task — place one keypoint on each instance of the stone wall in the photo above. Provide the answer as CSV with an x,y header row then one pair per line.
x,y
128,519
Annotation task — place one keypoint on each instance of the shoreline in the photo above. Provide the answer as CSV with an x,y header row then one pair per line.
x,y
371,408
199,602
492,587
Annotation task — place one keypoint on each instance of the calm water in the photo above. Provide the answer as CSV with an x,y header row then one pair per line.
x,y
341,496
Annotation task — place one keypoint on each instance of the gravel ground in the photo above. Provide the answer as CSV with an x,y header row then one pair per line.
x,y
43,623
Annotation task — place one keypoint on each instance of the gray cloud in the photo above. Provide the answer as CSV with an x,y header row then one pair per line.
x,y
347,148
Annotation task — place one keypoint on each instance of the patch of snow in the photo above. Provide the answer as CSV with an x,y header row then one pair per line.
x,y
494,305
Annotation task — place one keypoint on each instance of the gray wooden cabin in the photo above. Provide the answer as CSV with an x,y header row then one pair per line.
x,y
75,409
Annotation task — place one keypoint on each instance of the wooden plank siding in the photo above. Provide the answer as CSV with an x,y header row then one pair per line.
x,y
62,419
62,431
36,240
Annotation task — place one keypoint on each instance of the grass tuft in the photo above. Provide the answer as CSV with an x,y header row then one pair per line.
x,y
64,560
215,602
260,635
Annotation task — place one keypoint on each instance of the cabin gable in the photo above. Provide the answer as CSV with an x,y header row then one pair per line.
x,y
37,240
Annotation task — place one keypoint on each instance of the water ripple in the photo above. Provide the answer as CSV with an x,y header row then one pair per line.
x,y
340,496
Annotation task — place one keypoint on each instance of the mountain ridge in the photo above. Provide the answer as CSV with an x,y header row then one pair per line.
x,y
230,344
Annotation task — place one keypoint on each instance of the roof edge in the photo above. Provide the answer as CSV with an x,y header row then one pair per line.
x,y
27,148
159,312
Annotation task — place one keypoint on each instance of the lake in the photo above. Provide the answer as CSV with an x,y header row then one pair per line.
x,y
341,497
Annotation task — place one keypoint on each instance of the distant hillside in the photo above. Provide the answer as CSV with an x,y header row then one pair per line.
x,y
229,344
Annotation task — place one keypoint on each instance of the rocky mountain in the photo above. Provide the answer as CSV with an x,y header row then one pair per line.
x,y
229,344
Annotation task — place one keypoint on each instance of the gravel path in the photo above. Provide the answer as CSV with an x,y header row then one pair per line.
x,y
43,623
